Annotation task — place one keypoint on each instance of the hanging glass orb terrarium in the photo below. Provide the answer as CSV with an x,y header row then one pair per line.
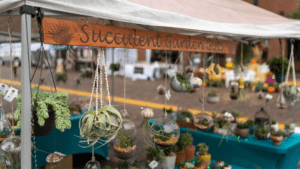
x,y
166,132
5,126
203,121
92,164
11,152
262,117
124,143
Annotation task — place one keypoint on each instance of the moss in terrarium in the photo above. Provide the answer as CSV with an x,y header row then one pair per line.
x,y
182,78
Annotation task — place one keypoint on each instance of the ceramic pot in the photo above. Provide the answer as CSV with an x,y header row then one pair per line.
x,y
182,123
212,100
232,126
206,159
175,84
275,126
169,161
48,125
277,139
229,167
181,155
243,133
159,166
190,152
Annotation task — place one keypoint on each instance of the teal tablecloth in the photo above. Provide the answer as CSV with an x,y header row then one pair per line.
x,y
65,142
250,153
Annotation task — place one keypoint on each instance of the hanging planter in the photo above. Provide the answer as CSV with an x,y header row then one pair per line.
x,y
50,109
181,83
203,121
233,95
114,66
212,97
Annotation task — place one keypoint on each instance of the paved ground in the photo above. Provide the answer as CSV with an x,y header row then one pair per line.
x,y
146,91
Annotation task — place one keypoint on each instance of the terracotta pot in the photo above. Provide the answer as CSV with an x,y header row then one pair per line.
x,y
182,123
212,100
206,159
277,139
190,152
201,167
243,133
181,155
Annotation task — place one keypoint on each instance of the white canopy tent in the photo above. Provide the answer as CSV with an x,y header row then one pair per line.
x,y
231,19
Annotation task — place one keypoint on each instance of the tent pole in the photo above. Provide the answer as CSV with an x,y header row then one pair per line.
x,y
26,94
113,78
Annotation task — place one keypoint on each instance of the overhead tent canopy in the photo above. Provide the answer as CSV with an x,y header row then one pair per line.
x,y
233,19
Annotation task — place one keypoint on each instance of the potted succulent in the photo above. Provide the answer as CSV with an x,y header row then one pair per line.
x,y
186,165
199,164
3,136
212,97
48,109
125,147
123,165
242,130
287,131
180,151
203,155
184,118
218,163
233,124
169,158
134,164
156,154
277,137
182,82
274,125
251,124
227,166
261,132
61,76
203,124
190,148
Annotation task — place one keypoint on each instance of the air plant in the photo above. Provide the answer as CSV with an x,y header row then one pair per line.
x,y
147,113
226,127
104,124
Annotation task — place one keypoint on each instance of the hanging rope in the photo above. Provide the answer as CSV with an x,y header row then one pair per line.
x,y
124,62
203,81
166,82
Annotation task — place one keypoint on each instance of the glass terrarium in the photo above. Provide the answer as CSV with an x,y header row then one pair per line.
x,y
11,152
262,117
166,132
124,143
5,126
203,121
92,164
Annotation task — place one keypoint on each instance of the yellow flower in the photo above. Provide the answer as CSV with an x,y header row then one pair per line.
x,y
229,65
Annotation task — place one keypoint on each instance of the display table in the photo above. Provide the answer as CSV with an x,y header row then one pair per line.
x,y
250,152
65,142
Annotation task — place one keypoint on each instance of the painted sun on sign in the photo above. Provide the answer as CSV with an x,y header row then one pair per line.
x,y
61,33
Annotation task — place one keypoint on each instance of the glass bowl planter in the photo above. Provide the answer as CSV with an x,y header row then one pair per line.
x,y
124,143
203,121
166,132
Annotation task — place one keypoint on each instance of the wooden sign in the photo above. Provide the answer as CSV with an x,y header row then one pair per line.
x,y
62,32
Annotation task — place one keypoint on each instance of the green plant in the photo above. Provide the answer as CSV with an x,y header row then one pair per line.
x,y
105,124
203,122
273,122
247,55
262,130
275,65
2,135
134,163
226,165
182,115
183,80
107,167
242,125
61,77
163,136
168,151
181,144
202,148
250,122
187,137
124,141
154,153
15,161
189,165
123,164
278,133
198,162
224,111
214,114
276,84
182,164
289,92
212,93
114,66
287,126
44,101
235,114
169,111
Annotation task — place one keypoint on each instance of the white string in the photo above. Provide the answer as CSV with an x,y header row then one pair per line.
x,y
101,74
107,87
97,74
